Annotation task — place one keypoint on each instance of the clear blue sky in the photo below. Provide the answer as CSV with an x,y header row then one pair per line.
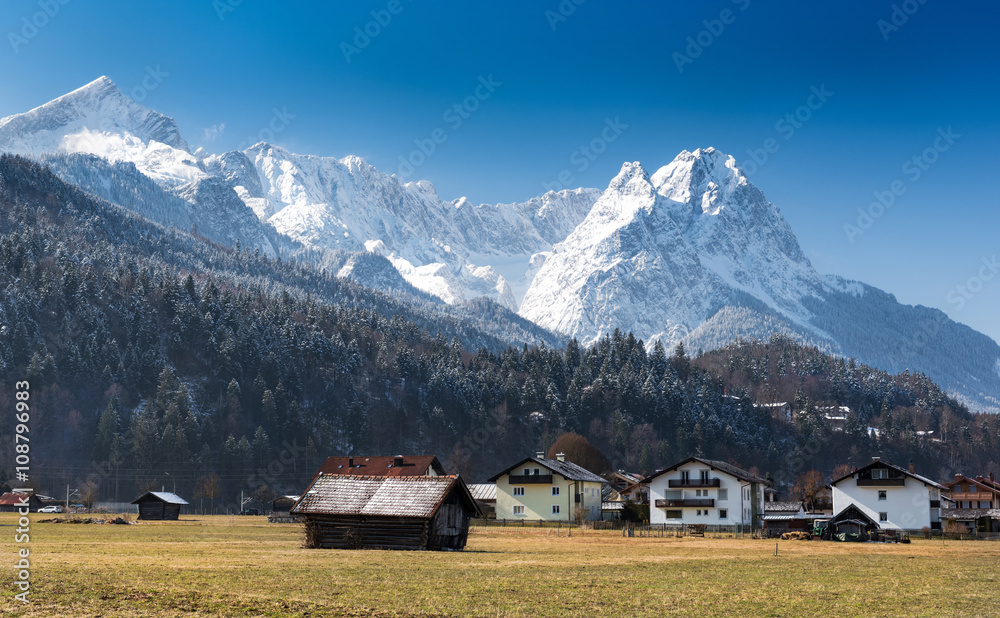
x,y
560,80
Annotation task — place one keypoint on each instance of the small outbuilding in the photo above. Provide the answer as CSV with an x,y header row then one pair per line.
x,y
13,501
485,495
159,505
280,508
378,512
852,524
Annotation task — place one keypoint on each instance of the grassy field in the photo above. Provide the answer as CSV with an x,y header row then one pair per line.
x,y
243,566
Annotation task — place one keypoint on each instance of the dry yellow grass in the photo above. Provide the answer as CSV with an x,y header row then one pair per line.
x,y
244,566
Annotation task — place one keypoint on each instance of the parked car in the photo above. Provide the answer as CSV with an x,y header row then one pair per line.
x,y
50,509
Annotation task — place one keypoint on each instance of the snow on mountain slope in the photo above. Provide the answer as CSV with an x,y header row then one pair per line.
x,y
443,248
695,253
98,119
660,254
109,145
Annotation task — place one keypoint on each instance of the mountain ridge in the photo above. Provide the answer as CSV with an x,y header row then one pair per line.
x,y
693,252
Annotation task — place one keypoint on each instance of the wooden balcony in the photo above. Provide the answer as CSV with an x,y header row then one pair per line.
x,y
693,483
530,479
691,502
970,495
901,482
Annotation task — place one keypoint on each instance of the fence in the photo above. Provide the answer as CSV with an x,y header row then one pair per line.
x,y
520,523
736,531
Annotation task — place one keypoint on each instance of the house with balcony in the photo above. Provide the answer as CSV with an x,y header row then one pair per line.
x,y
975,503
540,489
894,497
705,491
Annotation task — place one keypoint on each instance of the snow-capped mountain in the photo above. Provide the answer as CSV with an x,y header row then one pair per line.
x,y
693,252
98,119
104,142
452,249
658,255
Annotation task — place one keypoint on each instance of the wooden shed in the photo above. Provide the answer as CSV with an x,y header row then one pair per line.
x,y
378,512
11,502
159,505
851,524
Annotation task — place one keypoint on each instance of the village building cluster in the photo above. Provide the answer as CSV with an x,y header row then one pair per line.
x,y
411,502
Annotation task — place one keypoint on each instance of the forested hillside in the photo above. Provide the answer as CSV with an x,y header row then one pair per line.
x,y
156,357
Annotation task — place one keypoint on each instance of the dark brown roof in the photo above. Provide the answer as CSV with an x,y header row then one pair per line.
x,y
400,496
413,465
715,464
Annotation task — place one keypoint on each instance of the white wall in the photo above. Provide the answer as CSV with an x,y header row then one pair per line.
x,y
907,507
737,504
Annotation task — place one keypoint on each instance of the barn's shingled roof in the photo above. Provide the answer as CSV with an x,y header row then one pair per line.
x,y
163,496
403,496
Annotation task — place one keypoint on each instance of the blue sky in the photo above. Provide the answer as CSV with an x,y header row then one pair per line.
x,y
894,73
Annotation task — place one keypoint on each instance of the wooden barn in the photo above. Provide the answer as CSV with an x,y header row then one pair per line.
x,y
378,512
159,505
11,502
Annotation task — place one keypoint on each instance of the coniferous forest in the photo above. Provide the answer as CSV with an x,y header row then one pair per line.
x,y
157,358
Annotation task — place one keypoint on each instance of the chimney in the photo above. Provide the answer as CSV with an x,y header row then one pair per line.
x,y
912,470
397,461
957,476
539,455
561,456
876,458
350,462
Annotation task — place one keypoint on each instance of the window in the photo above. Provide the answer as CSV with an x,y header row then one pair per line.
x,y
527,471
555,509
880,473
704,475
537,470
723,513
518,509
673,494
883,516
723,494
699,512
673,515
881,495
698,493
555,490
519,491
685,475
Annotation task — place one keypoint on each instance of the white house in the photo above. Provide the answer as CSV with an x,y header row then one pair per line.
x,y
894,497
704,491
